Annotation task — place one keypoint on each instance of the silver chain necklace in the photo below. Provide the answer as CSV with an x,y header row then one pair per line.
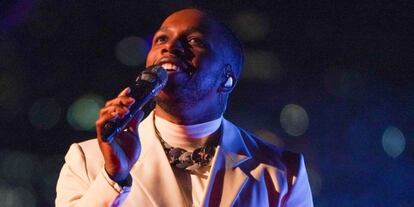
x,y
183,159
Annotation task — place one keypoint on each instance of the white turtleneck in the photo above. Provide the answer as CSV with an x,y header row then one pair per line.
x,y
189,137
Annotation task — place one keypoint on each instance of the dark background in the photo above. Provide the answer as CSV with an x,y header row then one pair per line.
x,y
330,79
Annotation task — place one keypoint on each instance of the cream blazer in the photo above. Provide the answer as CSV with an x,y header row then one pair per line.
x,y
246,172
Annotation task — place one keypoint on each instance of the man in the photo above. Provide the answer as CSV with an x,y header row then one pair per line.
x,y
184,153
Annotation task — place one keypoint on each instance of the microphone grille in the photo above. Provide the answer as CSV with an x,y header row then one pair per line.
x,y
153,74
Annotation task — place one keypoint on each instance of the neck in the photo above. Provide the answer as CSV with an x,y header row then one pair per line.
x,y
188,137
187,117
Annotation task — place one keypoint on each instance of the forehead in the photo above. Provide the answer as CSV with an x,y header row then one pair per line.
x,y
189,19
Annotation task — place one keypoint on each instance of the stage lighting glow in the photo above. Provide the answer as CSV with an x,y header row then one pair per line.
x,y
48,175
393,141
45,113
294,120
132,51
16,196
17,167
250,26
262,65
270,137
83,113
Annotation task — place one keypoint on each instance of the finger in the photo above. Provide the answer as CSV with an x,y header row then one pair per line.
x,y
125,92
105,118
114,108
121,111
121,100
126,101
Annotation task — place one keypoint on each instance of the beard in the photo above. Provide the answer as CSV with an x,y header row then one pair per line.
x,y
182,96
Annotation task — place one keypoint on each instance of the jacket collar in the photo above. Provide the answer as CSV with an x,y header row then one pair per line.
x,y
229,173
153,173
233,145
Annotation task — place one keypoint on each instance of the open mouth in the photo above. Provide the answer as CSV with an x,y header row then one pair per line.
x,y
171,67
175,65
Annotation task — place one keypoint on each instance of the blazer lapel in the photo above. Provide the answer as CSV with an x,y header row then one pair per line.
x,y
228,175
152,172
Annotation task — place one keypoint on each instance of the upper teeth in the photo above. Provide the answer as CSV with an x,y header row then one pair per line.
x,y
170,66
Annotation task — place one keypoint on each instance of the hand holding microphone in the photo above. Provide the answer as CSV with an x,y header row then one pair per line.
x,y
147,85
119,118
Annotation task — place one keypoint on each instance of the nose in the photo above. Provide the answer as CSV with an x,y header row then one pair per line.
x,y
174,46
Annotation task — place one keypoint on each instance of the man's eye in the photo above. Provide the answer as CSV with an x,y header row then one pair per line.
x,y
196,42
160,39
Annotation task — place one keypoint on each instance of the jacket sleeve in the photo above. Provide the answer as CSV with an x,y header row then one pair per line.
x,y
300,194
76,188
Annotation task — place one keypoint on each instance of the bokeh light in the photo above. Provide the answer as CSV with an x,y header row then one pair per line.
x,y
393,141
262,65
83,113
131,51
294,120
250,26
270,137
315,181
45,113
349,66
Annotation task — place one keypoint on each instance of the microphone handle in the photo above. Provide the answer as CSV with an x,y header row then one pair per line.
x,y
142,92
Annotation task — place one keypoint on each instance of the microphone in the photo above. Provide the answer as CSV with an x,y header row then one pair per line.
x,y
147,85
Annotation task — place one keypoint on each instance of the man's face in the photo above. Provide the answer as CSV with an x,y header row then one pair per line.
x,y
188,46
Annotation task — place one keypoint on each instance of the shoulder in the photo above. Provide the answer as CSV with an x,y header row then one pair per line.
x,y
85,154
267,153
88,147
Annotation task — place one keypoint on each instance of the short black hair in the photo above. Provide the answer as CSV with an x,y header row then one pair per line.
x,y
233,50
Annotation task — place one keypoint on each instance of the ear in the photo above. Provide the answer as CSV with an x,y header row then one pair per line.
x,y
229,80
